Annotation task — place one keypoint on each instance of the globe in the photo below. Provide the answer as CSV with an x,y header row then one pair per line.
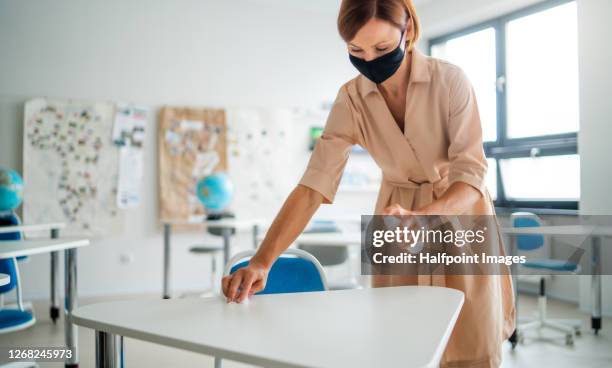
x,y
11,189
215,191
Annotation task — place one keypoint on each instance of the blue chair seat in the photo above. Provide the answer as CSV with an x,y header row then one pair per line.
x,y
551,265
290,275
15,319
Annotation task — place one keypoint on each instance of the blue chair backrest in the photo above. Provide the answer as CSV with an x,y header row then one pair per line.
x,y
290,275
528,242
7,266
10,219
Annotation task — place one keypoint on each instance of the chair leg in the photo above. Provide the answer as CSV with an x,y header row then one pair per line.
x,y
218,362
568,327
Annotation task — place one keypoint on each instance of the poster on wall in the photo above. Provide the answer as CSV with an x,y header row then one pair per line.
x,y
70,166
192,144
129,135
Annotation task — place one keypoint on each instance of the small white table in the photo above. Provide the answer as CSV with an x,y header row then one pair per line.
x,y
4,279
18,248
54,229
596,233
227,226
406,326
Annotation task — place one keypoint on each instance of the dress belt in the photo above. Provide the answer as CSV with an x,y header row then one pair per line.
x,y
425,189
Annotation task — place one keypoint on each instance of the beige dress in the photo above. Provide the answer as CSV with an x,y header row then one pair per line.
x,y
441,144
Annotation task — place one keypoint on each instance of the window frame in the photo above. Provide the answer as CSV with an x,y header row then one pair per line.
x,y
504,147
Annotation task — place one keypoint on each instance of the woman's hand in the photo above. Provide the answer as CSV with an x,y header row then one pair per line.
x,y
245,282
405,216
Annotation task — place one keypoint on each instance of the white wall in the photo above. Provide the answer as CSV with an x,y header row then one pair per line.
x,y
181,52
594,30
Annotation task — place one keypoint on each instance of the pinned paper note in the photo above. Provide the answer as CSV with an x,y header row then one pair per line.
x,y
129,136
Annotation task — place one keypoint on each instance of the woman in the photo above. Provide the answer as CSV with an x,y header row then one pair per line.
x,y
418,118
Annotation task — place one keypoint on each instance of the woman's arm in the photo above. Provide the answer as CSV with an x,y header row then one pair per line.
x,y
291,220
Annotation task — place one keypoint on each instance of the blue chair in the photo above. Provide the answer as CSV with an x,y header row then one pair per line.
x,y
11,219
295,271
13,319
547,266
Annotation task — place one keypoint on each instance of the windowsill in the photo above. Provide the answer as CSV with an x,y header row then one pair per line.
x,y
537,211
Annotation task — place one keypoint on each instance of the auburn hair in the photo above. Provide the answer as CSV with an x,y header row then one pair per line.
x,y
354,14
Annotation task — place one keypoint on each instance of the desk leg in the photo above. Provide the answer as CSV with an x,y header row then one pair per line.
x,y
227,233
255,235
54,309
166,286
596,284
109,350
70,303
514,270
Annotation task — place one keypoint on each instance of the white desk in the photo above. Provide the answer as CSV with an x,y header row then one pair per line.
x,y
18,248
227,225
330,239
596,233
352,238
54,229
32,227
4,279
405,326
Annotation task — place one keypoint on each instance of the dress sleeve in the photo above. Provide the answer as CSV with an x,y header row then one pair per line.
x,y
331,151
468,163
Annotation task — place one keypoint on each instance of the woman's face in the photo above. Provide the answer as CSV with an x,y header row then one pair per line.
x,y
376,38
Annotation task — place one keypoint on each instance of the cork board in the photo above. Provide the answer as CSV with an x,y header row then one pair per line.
x,y
192,144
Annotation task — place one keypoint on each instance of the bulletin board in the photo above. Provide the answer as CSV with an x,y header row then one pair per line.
x,y
70,166
192,143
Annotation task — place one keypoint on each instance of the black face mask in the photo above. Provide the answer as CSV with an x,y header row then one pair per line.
x,y
381,68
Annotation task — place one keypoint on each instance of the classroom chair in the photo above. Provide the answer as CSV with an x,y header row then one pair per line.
x,y
529,243
13,319
10,218
212,250
295,271
330,256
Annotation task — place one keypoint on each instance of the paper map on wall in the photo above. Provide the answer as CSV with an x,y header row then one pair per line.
x,y
192,144
70,166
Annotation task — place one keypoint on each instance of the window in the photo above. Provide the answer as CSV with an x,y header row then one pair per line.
x,y
542,73
524,69
551,178
475,53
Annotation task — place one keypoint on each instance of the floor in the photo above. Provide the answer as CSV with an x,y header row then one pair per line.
x,y
589,350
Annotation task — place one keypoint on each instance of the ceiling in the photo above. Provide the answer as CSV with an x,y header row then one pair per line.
x,y
325,6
